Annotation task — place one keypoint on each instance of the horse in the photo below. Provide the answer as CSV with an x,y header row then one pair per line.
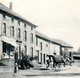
x,y
58,60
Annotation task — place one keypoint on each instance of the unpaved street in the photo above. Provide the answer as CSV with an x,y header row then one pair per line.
x,y
63,72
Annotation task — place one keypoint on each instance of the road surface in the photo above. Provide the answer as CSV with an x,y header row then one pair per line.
x,y
63,72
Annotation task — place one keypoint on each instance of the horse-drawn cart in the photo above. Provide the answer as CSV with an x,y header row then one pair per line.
x,y
57,60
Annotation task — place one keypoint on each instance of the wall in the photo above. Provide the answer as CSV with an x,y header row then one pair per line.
x,y
9,23
49,50
54,48
45,49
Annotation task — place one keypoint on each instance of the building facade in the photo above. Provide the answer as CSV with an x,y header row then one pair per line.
x,y
48,46
42,47
19,35
16,34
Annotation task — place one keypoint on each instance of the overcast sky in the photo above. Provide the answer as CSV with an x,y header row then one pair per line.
x,y
58,19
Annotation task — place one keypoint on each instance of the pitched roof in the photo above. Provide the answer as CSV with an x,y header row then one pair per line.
x,y
9,11
39,34
62,43
56,41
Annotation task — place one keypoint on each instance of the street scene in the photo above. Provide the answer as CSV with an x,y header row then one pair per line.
x,y
39,39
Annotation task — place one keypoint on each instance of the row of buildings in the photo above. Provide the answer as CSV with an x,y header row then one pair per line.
x,y
18,34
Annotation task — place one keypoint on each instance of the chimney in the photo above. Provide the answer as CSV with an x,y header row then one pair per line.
x,y
10,5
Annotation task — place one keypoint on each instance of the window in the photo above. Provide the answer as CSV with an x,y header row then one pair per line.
x,y
41,45
7,49
19,33
19,22
12,19
41,57
4,28
4,16
31,38
46,45
25,49
25,25
25,35
36,41
44,58
38,55
4,47
12,31
32,51
31,28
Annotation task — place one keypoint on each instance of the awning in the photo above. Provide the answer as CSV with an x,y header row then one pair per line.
x,y
9,41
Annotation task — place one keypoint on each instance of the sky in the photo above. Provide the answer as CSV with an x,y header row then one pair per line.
x,y
59,19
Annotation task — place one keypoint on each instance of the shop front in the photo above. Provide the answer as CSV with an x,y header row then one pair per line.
x,y
7,55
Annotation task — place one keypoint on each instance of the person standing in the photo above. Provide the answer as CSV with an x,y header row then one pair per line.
x,y
15,62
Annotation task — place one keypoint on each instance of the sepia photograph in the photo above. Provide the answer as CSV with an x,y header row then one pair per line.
x,y
39,39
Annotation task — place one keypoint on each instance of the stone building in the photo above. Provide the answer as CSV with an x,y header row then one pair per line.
x,y
19,35
65,48
42,47
48,46
16,33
